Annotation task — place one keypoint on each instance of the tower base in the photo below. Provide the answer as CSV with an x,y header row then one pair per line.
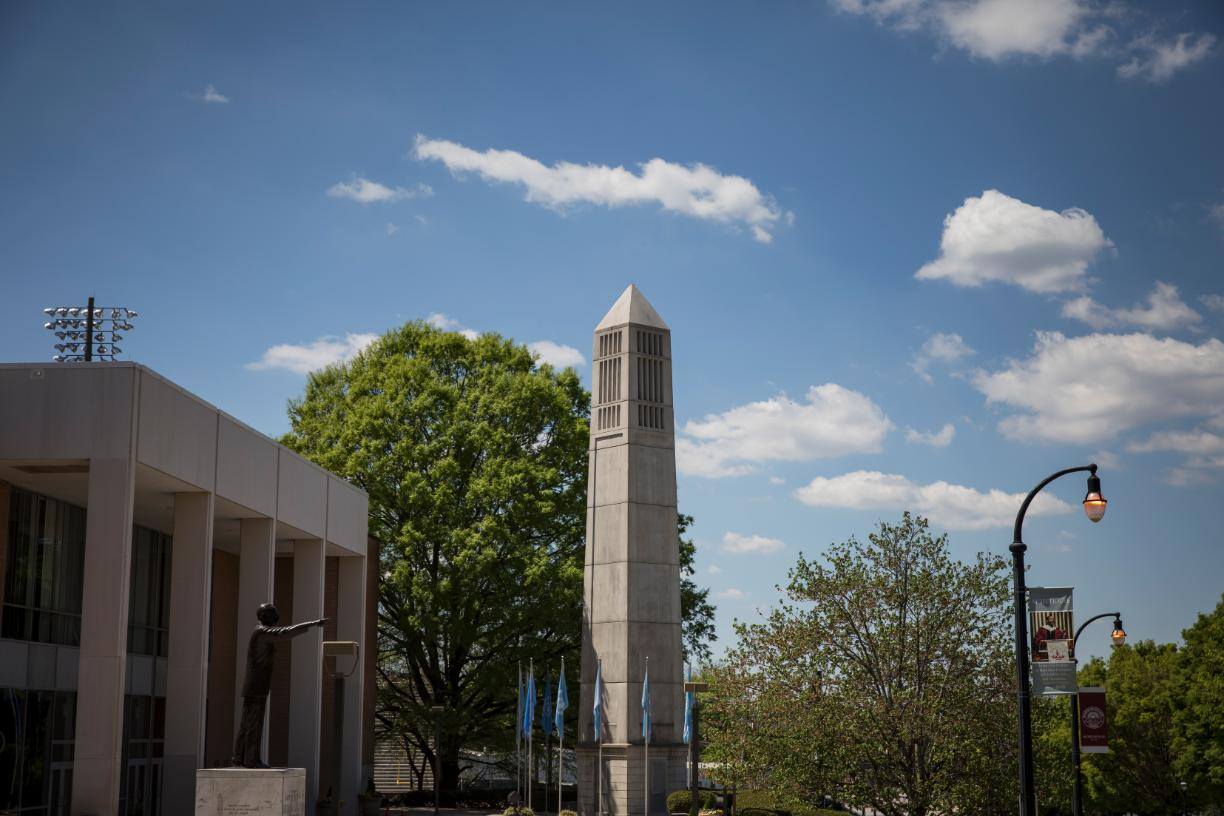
x,y
624,778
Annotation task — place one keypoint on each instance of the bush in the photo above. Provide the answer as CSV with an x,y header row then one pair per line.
x,y
523,811
568,813
680,801
765,803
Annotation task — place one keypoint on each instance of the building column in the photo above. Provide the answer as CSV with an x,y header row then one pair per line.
x,y
102,668
256,578
306,673
187,658
350,625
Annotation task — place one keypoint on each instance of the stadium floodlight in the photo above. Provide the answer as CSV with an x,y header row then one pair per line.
x,y
88,333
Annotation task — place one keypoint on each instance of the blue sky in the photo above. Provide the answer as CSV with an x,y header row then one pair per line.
x,y
865,222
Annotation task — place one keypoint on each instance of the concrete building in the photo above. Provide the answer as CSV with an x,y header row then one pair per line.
x,y
140,528
632,580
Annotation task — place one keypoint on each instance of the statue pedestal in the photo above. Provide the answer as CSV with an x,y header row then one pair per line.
x,y
250,792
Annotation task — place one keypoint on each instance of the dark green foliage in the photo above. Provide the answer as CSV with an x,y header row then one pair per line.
x,y
695,608
681,801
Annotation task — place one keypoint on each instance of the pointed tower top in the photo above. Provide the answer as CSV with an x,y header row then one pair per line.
x,y
631,307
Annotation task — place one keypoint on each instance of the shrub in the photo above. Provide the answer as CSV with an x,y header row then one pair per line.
x,y
568,813
523,811
680,801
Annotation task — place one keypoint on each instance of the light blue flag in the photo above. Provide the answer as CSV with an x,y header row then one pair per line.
x,y
598,711
562,702
529,704
546,725
646,715
689,699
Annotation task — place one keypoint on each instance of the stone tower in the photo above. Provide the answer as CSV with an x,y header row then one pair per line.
x,y
632,574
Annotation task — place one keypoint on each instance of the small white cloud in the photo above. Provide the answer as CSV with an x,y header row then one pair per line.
x,y
364,191
392,229
997,238
714,569
742,544
1066,535
776,480
832,421
302,359
1213,302
1106,460
1157,61
697,191
953,506
445,323
1165,311
1089,389
556,355
936,439
940,347
731,594
212,96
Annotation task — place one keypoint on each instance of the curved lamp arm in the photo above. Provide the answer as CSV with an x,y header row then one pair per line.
x,y
1075,639
1016,538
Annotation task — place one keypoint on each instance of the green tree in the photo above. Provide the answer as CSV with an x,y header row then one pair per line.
x,y
695,608
883,680
1138,773
1199,720
474,458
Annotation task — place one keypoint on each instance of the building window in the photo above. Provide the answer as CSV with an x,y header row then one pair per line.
x,y
44,571
36,751
144,742
149,598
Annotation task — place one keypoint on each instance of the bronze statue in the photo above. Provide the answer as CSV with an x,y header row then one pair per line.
x,y
260,651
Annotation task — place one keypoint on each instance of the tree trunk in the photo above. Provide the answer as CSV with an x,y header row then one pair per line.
x,y
448,760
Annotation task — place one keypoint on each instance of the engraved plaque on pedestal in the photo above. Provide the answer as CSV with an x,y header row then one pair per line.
x,y
250,792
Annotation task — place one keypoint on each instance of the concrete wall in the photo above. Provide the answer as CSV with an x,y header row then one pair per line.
x,y
222,654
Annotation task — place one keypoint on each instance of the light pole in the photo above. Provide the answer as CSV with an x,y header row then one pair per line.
x,y
1183,787
694,749
1094,507
1118,638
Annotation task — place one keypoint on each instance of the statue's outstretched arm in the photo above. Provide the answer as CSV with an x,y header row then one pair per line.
x,y
287,632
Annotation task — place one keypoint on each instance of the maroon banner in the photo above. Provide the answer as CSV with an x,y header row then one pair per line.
x,y
1094,736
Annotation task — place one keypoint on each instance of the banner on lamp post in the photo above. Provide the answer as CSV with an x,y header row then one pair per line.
x,y
1093,731
1051,624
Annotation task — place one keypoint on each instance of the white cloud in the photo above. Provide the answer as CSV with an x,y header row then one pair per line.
x,y
1213,302
1165,311
833,421
742,544
1216,214
392,229
714,569
936,439
944,348
364,191
556,355
212,96
696,190
776,480
997,238
1200,442
996,29
1092,388
1158,61
953,506
302,359
731,594
1107,460
445,323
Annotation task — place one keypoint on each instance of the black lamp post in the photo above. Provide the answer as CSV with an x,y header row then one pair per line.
x,y
1094,507
1118,638
1183,787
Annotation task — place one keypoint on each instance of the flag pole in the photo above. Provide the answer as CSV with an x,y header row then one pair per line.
x,y
648,727
531,703
560,743
518,735
599,750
